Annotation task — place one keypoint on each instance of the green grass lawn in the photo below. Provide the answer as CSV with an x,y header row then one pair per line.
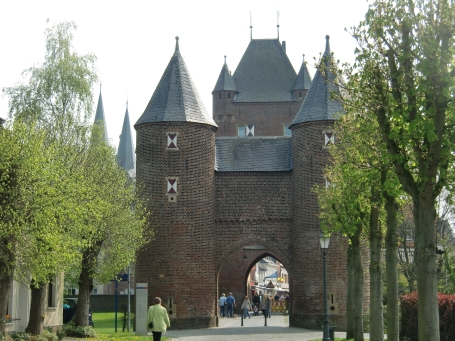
x,y
105,328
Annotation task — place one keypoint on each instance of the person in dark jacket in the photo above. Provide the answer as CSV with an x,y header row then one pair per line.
x,y
230,301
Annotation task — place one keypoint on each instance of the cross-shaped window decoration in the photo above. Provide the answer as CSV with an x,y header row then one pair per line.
x,y
329,138
172,141
172,186
250,130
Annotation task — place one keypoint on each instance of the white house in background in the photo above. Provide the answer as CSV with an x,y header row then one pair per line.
x,y
19,306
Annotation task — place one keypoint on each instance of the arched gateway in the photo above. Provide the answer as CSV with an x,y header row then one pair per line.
x,y
226,190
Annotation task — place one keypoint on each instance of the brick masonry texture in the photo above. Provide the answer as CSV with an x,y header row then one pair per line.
x,y
224,222
229,114
180,262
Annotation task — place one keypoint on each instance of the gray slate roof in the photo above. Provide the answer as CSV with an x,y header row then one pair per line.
x,y
319,104
175,98
249,154
99,117
225,80
303,80
264,73
125,152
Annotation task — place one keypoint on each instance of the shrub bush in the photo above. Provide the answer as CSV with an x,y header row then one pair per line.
x,y
409,318
80,332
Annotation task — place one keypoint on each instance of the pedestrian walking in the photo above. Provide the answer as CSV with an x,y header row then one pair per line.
x,y
222,303
246,306
157,319
265,305
230,301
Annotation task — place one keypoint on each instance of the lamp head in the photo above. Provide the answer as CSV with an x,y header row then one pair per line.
x,y
324,241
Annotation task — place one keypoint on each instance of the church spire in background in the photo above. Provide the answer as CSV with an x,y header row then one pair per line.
x,y
125,153
99,117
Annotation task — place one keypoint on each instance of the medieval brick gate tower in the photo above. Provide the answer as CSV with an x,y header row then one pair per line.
x,y
228,190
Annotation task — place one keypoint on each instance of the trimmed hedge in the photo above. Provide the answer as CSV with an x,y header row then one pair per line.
x,y
409,320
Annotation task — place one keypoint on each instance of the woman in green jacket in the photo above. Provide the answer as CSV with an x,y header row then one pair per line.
x,y
158,315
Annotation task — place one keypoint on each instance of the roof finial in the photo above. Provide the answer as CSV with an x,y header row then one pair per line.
x,y
303,61
251,27
127,100
278,24
327,43
101,84
225,60
177,44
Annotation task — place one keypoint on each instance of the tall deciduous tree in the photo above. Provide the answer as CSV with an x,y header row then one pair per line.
x,y
406,63
116,223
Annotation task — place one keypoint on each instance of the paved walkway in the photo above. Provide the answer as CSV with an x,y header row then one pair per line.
x,y
253,329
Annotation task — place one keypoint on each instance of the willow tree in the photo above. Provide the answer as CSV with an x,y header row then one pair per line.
x,y
56,96
406,69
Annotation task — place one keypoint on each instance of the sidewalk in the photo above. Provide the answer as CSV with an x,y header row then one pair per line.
x,y
253,329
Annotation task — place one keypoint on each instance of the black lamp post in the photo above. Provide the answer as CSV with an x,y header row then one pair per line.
x,y
324,242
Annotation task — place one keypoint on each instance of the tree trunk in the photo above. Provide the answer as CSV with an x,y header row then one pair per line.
x,y
350,306
85,287
425,260
376,318
391,208
38,307
358,286
6,280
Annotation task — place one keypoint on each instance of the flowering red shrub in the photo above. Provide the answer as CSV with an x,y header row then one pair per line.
x,y
409,319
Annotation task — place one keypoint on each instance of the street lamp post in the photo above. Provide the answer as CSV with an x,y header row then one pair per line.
x,y
324,242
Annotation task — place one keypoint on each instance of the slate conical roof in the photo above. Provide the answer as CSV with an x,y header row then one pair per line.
x,y
175,98
125,152
225,80
303,80
319,103
99,117
264,73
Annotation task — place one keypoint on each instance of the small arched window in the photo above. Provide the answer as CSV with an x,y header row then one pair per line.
x,y
219,95
300,94
229,95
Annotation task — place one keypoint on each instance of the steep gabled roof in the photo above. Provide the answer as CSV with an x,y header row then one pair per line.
x,y
303,80
125,152
225,80
264,73
250,154
319,103
99,117
175,98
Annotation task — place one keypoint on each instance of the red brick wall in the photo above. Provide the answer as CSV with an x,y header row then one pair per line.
x,y
306,284
180,262
268,118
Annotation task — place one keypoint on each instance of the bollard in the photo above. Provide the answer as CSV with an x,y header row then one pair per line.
x,y
332,332
241,319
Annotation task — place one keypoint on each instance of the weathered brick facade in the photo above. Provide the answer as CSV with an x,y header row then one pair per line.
x,y
219,223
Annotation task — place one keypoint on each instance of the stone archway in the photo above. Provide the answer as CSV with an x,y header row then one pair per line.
x,y
235,264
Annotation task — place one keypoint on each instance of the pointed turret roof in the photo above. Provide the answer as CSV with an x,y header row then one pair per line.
x,y
175,98
225,80
265,73
319,103
303,80
125,152
99,117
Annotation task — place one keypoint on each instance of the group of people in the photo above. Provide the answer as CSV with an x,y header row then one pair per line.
x,y
263,303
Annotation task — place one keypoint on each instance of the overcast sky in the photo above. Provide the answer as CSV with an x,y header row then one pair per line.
x,y
134,40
